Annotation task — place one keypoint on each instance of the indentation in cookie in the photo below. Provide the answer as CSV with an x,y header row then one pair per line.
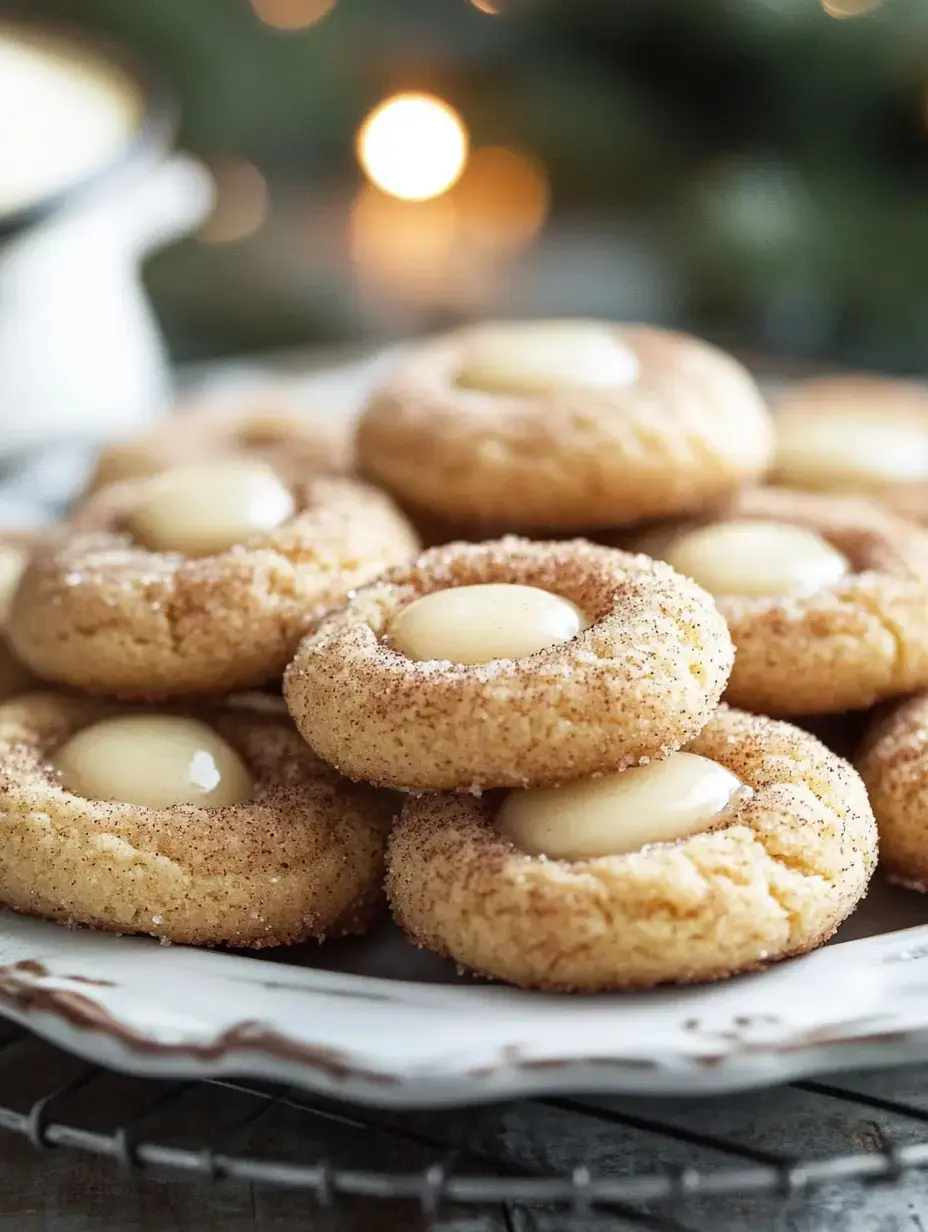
x,y
852,434
155,760
756,558
476,624
208,507
536,357
613,814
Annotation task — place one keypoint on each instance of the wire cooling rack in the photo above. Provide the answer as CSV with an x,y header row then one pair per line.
x,y
673,1165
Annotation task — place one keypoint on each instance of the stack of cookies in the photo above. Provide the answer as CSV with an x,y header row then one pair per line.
x,y
147,798
582,814
541,701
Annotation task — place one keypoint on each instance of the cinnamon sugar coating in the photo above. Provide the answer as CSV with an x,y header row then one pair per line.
x,y
302,859
270,430
100,613
893,762
777,880
688,430
642,679
846,646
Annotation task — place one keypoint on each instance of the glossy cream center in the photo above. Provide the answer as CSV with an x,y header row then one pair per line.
x,y
538,357
756,559
153,760
474,624
609,816
852,452
209,507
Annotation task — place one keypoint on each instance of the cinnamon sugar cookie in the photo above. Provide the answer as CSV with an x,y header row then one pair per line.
x,y
199,580
218,828
826,598
894,765
509,663
856,434
269,430
751,846
564,425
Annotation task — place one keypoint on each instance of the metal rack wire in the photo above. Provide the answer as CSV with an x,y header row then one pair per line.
x,y
462,1179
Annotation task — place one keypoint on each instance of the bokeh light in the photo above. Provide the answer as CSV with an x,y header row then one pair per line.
x,y
241,203
413,146
487,6
503,197
291,14
403,247
849,8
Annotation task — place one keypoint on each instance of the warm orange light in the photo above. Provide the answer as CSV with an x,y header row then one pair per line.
x,y
487,6
405,247
503,197
413,146
241,203
849,8
291,14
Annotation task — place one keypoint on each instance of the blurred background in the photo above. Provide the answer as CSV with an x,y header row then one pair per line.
x,y
752,170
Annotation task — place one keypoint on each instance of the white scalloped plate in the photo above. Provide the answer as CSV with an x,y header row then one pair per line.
x,y
376,1021
415,1034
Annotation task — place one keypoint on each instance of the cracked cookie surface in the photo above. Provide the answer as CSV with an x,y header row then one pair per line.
x,y
641,679
684,427
776,880
97,611
303,858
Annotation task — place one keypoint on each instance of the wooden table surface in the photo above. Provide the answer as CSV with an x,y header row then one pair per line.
x,y
62,1190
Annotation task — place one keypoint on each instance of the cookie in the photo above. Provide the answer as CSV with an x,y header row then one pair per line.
x,y
856,434
563,425
215,828
269,429
202,579
894,765
750,847
15,547
826,598
509,663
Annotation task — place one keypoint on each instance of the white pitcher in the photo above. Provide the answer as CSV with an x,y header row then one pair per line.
x,y
81,355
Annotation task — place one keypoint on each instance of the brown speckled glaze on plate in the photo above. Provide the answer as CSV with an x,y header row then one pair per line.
x,y
376,1021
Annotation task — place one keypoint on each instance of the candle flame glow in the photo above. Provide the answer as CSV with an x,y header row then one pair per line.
x,y
413,146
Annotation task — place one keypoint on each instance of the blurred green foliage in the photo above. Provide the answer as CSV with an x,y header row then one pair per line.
x,y
780,155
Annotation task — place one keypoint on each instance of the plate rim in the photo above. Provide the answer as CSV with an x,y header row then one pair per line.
x,y
56,986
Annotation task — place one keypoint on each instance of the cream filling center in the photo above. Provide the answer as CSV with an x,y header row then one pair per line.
x,y
756,559
619,813
209,507
535,358
155,761
475,624
853,452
